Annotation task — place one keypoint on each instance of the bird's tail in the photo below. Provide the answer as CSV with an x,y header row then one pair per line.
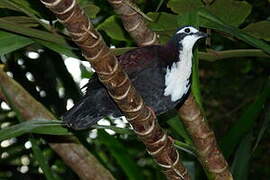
x,y
90,109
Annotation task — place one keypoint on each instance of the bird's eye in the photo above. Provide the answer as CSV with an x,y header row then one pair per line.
x,y
187,30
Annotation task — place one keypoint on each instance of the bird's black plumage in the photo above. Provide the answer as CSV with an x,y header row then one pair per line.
x,y
146,67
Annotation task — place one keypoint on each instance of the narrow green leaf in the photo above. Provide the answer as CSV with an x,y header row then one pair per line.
x,y
119,152
120,51
66,50
264,127
6,4
176,124
195,86
242,157
10,42
218,24
30,32
116,129
185,147
245,123
41,159
24,6
21,20
38,126
159,5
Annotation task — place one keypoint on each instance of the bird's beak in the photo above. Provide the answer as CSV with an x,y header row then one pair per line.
x,y
201,35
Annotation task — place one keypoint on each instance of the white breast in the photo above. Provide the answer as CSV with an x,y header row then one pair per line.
x,y
177,77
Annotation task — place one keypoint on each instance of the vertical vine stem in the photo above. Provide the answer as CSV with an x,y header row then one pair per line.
x,y
141,117
202,135
204,140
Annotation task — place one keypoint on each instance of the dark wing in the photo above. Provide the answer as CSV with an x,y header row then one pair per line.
x,y
137,59
141,58
146,68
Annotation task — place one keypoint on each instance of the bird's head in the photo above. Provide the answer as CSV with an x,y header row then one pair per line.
x,y
186,37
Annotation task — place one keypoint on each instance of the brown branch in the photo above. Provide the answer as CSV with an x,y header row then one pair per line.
x,y
209,154
134,23
143,120
68,148
204,140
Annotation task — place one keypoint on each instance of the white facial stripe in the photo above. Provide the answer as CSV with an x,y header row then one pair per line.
x,y
192,30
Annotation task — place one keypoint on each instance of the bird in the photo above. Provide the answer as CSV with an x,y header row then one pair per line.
x,y
160,73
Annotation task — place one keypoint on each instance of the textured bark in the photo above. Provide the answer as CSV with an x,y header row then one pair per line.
x,y
203,137
68,148
141,117
134,22
204,140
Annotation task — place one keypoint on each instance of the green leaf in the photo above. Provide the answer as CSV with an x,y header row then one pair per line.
x,y
245,123
24,6
30,32
39,126
163,23
21,20
113,29
218,24
232,12
176,124
235,13
66,50
264,127
242,157
8,5
90,9
120,51
259,30
185,147
41,159
116,129
119,152
184,6
10,42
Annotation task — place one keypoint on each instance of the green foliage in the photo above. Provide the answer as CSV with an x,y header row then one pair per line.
x,y
120,153
258,30
43,162
112,27
231,12
218,24
34,126
233,92
245,123
90,9
11,42
241,162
